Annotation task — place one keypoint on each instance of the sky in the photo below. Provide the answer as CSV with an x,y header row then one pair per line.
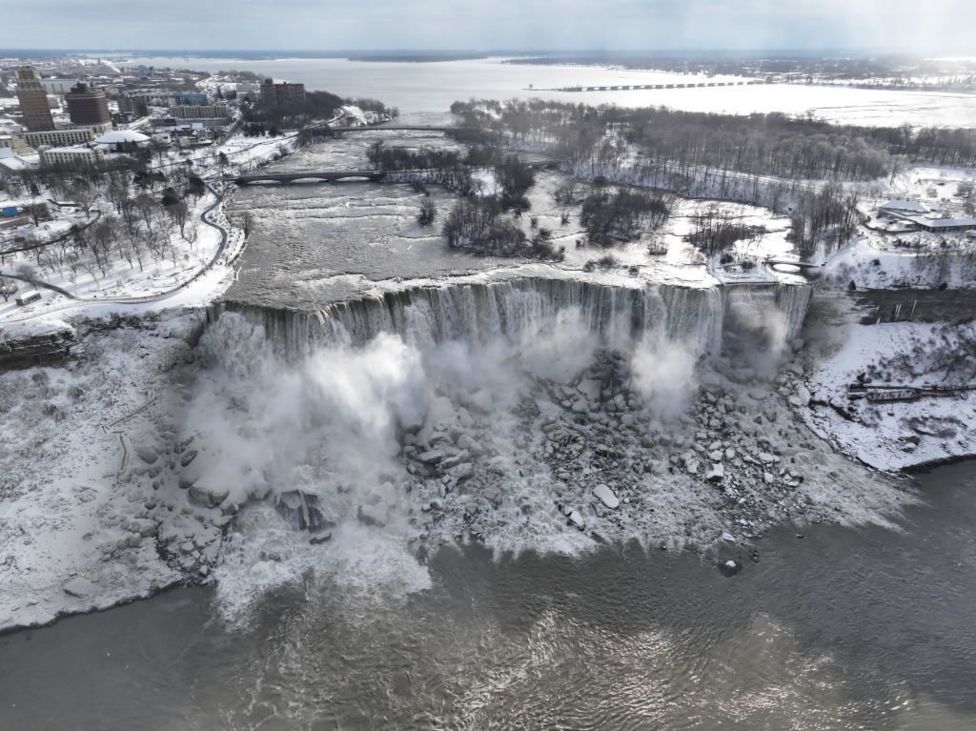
x,y
945,26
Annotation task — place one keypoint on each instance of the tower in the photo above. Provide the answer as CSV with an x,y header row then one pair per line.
x,y
33,101
87,106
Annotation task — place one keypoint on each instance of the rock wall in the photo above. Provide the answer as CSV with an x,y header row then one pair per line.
x,y
40,349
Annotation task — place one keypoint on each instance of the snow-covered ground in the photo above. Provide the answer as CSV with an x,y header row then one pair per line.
x,y
79,516
870,266
893,435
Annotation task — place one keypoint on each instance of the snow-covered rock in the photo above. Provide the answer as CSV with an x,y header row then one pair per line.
x,y
606,496
576,519
80,587
209,495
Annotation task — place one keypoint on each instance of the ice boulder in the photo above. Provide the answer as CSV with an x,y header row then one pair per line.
x,y
606,496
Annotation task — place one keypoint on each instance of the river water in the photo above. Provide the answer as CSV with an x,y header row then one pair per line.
x,y
424,91
840,629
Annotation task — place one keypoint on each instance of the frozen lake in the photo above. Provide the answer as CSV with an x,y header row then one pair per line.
x,y
425,91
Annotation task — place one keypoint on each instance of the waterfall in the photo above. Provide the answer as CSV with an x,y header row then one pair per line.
x,y
517,308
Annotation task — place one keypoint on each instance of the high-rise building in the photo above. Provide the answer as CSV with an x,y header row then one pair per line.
x,y
87,105
272,93
137,104
34,107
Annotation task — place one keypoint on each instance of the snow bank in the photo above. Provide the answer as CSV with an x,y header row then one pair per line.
x,y
895,435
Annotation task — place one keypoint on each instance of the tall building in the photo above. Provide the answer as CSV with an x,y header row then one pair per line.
x,y
137,104
34,107
272,93
87,105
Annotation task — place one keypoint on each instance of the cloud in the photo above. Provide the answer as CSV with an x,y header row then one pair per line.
x,y
476,24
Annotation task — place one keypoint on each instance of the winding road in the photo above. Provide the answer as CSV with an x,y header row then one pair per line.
x,y
158,297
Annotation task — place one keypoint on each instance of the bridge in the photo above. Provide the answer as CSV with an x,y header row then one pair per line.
x,y
326,131
655,87
322,176
807,269
374,176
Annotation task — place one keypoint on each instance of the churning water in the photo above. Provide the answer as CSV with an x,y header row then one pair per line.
x,y
844,629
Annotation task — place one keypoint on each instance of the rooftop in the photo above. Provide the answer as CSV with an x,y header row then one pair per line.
x,y
904,205
946,222
121,137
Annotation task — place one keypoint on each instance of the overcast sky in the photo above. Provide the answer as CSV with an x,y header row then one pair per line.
x,y
912,25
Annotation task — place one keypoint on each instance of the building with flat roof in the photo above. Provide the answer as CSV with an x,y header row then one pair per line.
x,y
205,111
80,157
945,225
64,137
87,106
34,107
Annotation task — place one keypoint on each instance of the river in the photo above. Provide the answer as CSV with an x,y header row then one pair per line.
x,y
424,91
833,628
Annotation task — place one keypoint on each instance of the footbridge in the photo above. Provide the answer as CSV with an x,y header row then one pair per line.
x,y
807,269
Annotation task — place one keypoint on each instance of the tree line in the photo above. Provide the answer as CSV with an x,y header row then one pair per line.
x,y
760,144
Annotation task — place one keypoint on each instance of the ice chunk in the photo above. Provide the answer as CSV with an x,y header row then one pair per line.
x,y
606,496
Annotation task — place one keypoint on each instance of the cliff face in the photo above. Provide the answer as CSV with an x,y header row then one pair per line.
x,y
24,350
